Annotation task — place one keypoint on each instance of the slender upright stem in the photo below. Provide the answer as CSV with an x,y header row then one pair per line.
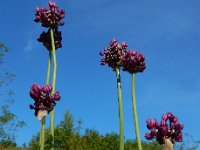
x,y
48,70
53,86
135,114
42,134
121,120
42,131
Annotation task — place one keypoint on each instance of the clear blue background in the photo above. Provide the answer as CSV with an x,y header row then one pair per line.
x,y
167,32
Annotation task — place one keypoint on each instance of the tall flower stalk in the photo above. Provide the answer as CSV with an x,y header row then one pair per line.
x,y
53,85
121,116
167,132
133,62
42,132
137,131
50,18
113,57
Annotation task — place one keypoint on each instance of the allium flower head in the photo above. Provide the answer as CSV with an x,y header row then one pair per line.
x,y
50,17
169,128
113,54
45,39
133,62
44,101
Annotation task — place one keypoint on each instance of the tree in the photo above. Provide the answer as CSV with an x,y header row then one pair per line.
x,y
8,120
5,77
3,50
68,137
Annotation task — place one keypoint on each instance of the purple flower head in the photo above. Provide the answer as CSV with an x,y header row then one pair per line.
x,y
45,39
50,17
44,100
133,62
113,54
168,128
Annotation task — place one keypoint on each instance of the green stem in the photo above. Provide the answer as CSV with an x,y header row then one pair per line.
x,y
121,121
42,134
42,131
48,70
53,85
135,114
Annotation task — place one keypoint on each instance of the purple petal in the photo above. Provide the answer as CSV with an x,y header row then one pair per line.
x,y
148,136
31,106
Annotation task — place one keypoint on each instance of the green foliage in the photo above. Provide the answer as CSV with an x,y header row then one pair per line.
x,y
9,123
5,77
3,50
68,137
130,145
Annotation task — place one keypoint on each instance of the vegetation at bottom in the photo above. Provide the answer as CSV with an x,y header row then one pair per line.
x,y
69,137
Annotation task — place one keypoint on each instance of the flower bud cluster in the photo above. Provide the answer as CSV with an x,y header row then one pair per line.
x,y
168,128
50,18
133,62
113,55
44,100
45,39
117,55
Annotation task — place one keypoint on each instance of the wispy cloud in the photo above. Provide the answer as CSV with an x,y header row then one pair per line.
x,y
30,43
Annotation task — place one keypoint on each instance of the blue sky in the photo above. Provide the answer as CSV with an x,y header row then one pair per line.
x,y
165,31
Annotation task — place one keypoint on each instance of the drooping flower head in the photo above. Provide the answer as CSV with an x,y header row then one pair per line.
x,y
133,62
169,128
113,54
44,100
50,17
45,39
